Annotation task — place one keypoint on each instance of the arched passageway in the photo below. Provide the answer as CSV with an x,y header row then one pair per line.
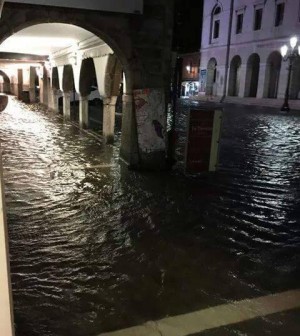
x,y
5,83
273,67
211,76
295,80
234,76
142,68
252,75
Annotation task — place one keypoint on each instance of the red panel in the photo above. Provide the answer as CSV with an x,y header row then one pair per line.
x,y
199,140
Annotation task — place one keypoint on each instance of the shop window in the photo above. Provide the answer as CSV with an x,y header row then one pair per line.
x,y
239,23
258,18
279,14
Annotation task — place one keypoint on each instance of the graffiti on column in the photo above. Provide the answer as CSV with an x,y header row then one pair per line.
x,y
151,121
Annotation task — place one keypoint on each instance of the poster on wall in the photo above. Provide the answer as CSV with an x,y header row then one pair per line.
x,y
202,80
151,119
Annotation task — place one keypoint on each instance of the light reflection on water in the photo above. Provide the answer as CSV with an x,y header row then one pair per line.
x,y
100,249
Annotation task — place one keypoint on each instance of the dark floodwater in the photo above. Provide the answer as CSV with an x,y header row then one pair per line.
x,y
95,247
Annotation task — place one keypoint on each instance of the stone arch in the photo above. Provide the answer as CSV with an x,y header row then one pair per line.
x,y
211,76
234,76
295,80
6,82
272,76
55,79
104,28
252,75
141,68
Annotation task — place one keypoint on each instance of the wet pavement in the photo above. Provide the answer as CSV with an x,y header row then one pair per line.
x,y
96,247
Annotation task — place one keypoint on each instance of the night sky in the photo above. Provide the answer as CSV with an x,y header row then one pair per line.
x,y
187,25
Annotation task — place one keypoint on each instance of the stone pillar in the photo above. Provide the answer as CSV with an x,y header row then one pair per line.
x,y
218,87
52,101
55,96
83,112
283,78
262,90
44,89
20,84
129,142
32,75
109,115
67,105
242,80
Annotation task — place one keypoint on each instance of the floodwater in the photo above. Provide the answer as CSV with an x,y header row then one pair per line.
x,y
96,247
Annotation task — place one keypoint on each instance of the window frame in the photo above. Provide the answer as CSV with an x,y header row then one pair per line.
x,y
215,20
279,23
239,29
257,9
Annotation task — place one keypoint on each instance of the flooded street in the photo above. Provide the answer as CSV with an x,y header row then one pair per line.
x,y
96,247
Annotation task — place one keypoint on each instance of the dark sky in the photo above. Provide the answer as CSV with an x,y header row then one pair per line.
x,y
187,25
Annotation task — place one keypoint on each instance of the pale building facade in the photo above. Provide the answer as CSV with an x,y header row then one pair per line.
x,y
240,51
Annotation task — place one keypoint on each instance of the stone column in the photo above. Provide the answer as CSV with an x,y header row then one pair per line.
x,y
55,97
262,90
109,115
83,111
20,84
283,78
129,143
67,105
242,80
44,89
32,75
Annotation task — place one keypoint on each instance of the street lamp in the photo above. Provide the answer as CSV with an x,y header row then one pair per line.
x,y
290,55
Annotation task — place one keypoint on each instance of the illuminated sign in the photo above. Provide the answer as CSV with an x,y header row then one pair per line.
x,y
120,6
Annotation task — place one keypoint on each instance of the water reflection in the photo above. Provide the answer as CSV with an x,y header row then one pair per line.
x,y
97,249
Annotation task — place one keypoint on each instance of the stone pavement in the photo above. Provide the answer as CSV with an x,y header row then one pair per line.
x,y
215,317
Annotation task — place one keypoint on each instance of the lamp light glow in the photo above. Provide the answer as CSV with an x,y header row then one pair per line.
x,y
188,68
284,50
293,41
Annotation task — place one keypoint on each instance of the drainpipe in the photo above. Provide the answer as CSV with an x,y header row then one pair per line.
x,y
228,50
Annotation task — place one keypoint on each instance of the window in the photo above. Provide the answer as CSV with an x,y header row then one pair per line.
x,y
216,29
239,23
258,18
215,22
279,14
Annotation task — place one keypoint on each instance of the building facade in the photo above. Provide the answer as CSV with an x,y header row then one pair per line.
x,y
240,51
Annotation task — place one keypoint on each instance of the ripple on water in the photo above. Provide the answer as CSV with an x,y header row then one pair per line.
x,y
97,249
